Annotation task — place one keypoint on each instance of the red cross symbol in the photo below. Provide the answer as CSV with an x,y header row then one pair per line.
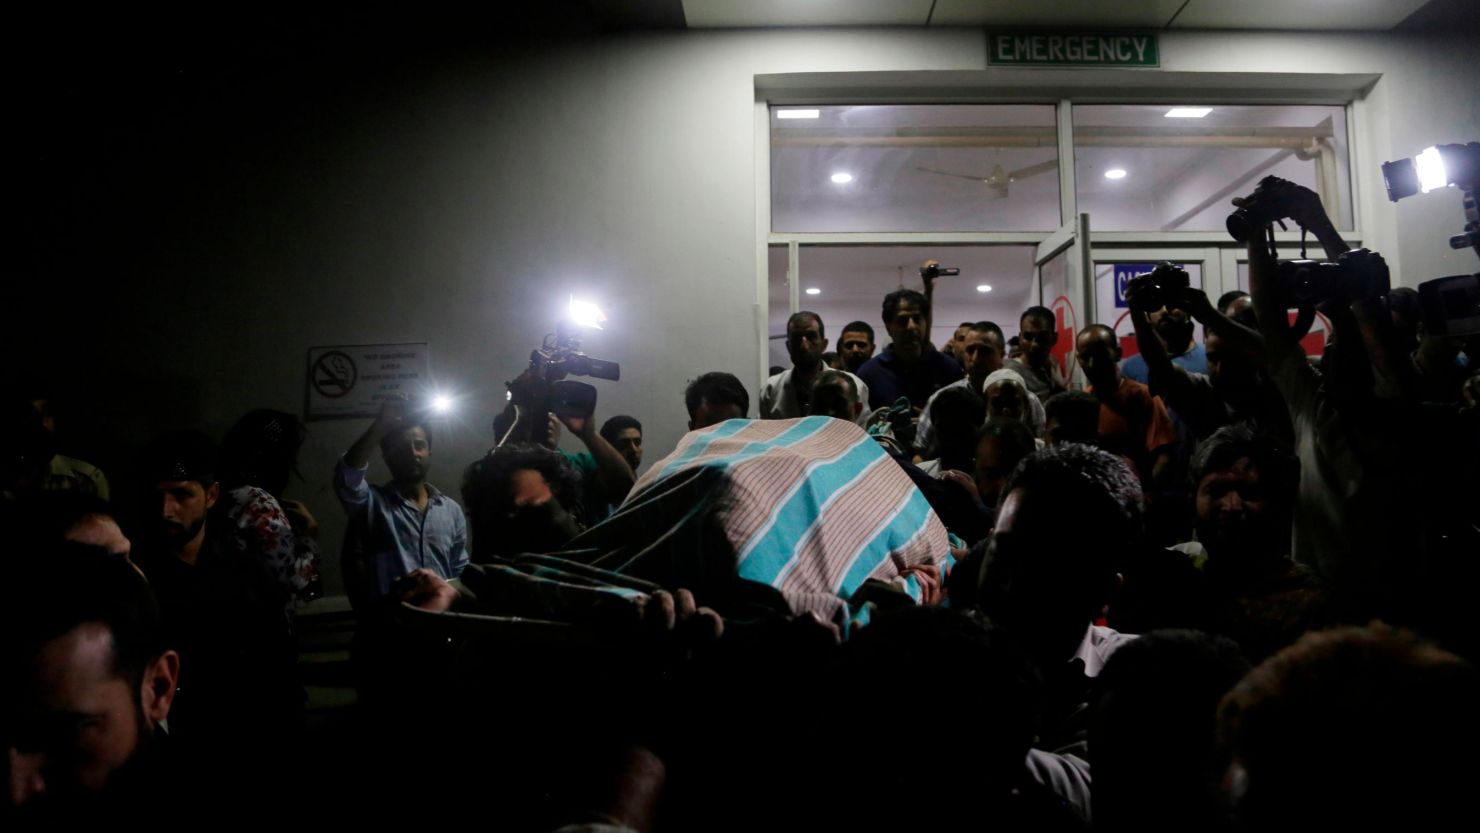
x,y
1066,325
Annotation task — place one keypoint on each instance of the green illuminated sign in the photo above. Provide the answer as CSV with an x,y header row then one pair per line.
x,y
1073,49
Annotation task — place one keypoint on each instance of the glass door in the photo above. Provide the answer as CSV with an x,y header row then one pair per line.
x,y
1062,277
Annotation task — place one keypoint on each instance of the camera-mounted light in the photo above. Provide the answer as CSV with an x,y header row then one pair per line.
x,y
586,314
442,404
1436,167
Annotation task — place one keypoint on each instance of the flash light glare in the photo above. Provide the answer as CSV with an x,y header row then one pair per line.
x,y
586,314
1431,173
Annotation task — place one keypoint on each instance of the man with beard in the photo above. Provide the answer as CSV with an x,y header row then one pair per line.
x,y
1173,328
239,701
906,368
1037,334
89,680
404,525
788,394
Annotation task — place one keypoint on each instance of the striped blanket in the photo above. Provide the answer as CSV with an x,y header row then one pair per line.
x,y
811,507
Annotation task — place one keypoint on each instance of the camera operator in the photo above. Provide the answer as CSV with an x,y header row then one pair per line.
x,y
605,475
1171,325
1232,389
1364,457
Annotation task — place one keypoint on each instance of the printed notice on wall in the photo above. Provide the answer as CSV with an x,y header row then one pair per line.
x,y
354,380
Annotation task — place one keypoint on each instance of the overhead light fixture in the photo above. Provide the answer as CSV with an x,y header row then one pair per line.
x,y
986,287
1115,173
842,178
1188,112
798,114
812,290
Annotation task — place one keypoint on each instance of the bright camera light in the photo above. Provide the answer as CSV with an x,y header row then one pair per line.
x,y
986,287
1115,173
1431,173
798,114
842,178
812,290
585,313
1188,112
442,403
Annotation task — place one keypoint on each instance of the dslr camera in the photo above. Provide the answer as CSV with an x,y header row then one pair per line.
x,y
1356,275
1149,293
1272,201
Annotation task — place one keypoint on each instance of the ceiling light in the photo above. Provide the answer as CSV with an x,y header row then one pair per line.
x,y
798,114
986,287
1188,112
1115,173
812,290
842,178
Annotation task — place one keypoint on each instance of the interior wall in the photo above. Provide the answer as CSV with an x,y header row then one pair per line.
x,y
460,200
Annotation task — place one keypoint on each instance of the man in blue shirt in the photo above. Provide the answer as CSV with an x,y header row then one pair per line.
x,y
405,524
908,366
1173,328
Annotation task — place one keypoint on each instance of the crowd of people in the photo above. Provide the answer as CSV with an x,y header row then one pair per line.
x,y
1216,585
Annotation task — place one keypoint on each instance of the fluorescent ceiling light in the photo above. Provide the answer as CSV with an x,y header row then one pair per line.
x,y
812,290
1431,173
1115,173
1188,112
842,178
798,114
984,288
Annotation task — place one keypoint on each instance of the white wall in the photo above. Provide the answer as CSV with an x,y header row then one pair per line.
x,y
460,204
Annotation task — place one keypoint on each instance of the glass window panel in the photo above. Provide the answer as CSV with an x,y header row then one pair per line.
x,y
1180,173
950,167
853,281
779,306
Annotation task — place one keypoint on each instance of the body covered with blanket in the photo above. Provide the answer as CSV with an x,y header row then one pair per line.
x,y
756,518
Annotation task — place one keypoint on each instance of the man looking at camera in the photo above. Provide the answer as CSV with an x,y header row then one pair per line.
x,y
405,524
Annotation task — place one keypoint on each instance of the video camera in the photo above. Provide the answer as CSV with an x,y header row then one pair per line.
x,y
1356,275
1149,293
931,271
560,356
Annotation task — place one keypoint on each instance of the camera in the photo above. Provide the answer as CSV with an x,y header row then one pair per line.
x,y
1451,306
561,356
932,271
1273,200
1150,292
1356,275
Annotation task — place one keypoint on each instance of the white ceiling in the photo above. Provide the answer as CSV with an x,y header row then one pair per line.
x,y
1193,14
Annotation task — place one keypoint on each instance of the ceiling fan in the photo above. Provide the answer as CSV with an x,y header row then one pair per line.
x,y
1000,179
